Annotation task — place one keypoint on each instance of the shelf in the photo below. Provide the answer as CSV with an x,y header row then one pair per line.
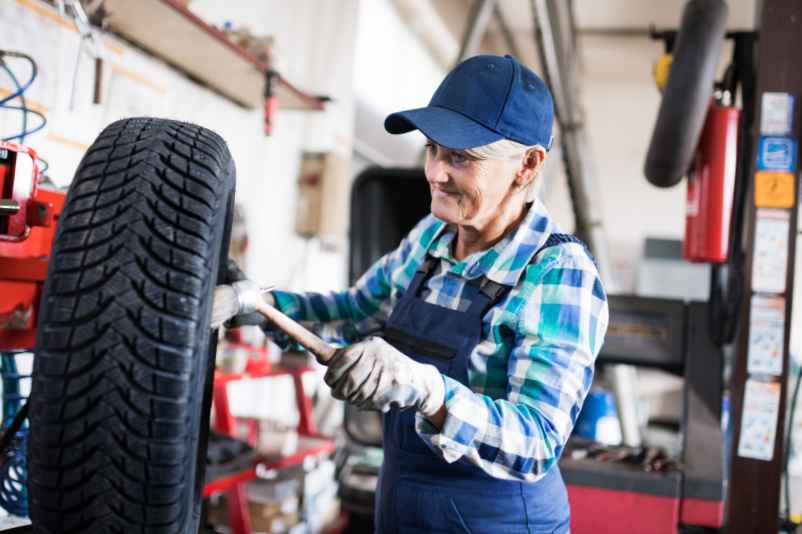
x,y
170,31
256,371
320,447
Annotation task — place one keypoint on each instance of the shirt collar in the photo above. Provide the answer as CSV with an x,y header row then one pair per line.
x,y
505,261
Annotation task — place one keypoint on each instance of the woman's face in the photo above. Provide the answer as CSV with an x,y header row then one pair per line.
x,y
467,191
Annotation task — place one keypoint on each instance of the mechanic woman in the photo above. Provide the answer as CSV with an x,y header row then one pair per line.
x,y
477,336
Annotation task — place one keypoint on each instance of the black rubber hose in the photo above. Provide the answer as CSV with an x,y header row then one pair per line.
x,y
9,433
687,93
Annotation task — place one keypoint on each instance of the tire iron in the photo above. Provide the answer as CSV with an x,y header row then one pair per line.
x,y
245,296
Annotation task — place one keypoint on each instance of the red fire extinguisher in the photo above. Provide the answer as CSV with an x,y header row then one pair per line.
x,y
711,183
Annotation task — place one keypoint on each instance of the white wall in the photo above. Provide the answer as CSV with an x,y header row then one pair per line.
x,y
393,71
315,45
316,42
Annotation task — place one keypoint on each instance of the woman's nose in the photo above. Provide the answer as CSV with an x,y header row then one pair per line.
x,y
435,171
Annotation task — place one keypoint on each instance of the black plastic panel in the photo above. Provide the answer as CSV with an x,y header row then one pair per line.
x,y
647,332
385,205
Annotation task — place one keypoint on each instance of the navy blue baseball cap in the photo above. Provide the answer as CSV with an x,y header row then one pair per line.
x,y
484,99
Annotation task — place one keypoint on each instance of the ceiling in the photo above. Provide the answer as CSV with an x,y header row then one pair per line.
x,y
627,15
616,17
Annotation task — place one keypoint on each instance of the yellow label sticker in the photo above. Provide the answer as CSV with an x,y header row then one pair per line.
x,y
774,189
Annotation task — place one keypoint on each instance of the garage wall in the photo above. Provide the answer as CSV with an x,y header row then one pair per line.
x,y
621,102
315,56
393,71
315,46
365,57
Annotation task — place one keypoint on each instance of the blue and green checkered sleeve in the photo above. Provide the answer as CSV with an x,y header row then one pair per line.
x,y
345,317
559,316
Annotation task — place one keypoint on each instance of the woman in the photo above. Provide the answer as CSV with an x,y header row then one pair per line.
x,y
477,336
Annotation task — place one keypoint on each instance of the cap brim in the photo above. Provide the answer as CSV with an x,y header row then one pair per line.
x,y
445,127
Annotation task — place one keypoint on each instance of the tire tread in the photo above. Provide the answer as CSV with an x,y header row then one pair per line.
x,y
121,351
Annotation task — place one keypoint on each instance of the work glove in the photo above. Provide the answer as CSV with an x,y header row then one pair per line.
x,y
234,274
372,374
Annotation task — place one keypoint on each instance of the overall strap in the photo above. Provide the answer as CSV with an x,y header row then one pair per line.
x,y
559,239
422,274
487,295
426,268
490,292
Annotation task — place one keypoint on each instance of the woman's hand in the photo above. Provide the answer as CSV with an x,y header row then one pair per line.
x,y
234,274
372,374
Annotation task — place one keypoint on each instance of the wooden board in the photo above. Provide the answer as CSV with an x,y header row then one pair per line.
x,y
170,31
754,484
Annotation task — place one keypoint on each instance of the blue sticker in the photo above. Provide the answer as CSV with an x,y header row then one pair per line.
x,y
776,154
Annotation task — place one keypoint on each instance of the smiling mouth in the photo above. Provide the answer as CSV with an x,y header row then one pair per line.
x,y
444,192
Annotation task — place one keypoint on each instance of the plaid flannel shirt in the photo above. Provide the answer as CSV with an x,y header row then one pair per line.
x,y
533,367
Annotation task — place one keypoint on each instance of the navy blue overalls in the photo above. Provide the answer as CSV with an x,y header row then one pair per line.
x,y
420,492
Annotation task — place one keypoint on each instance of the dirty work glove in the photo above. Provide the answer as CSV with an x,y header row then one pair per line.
x,y
372,374
235,274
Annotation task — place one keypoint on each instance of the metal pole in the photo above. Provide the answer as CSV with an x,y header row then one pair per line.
x,y
8,207
506,33
477,25
561,75
556,46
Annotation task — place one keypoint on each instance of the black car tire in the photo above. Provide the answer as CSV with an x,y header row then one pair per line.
x,y
687,94
123,369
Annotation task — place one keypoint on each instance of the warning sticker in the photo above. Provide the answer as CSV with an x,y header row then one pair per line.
x,y
770,255
759,420
766,335
776,154
774,189
776,114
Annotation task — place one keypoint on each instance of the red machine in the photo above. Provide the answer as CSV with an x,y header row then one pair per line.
x,y
28,217
711,184
672,336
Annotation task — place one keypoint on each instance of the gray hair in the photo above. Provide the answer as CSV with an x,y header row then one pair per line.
x,y
506,149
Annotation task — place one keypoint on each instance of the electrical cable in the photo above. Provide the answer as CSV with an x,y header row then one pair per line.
x,y
727,280
29,132
13,440
789,442
34,73
21,94
46,163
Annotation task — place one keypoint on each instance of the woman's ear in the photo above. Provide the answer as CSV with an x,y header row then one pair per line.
x,y
530,165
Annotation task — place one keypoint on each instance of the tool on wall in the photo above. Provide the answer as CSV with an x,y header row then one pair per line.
x,y
89,42
271,100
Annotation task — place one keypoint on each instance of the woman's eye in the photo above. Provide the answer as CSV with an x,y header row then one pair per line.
x,y
458,158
